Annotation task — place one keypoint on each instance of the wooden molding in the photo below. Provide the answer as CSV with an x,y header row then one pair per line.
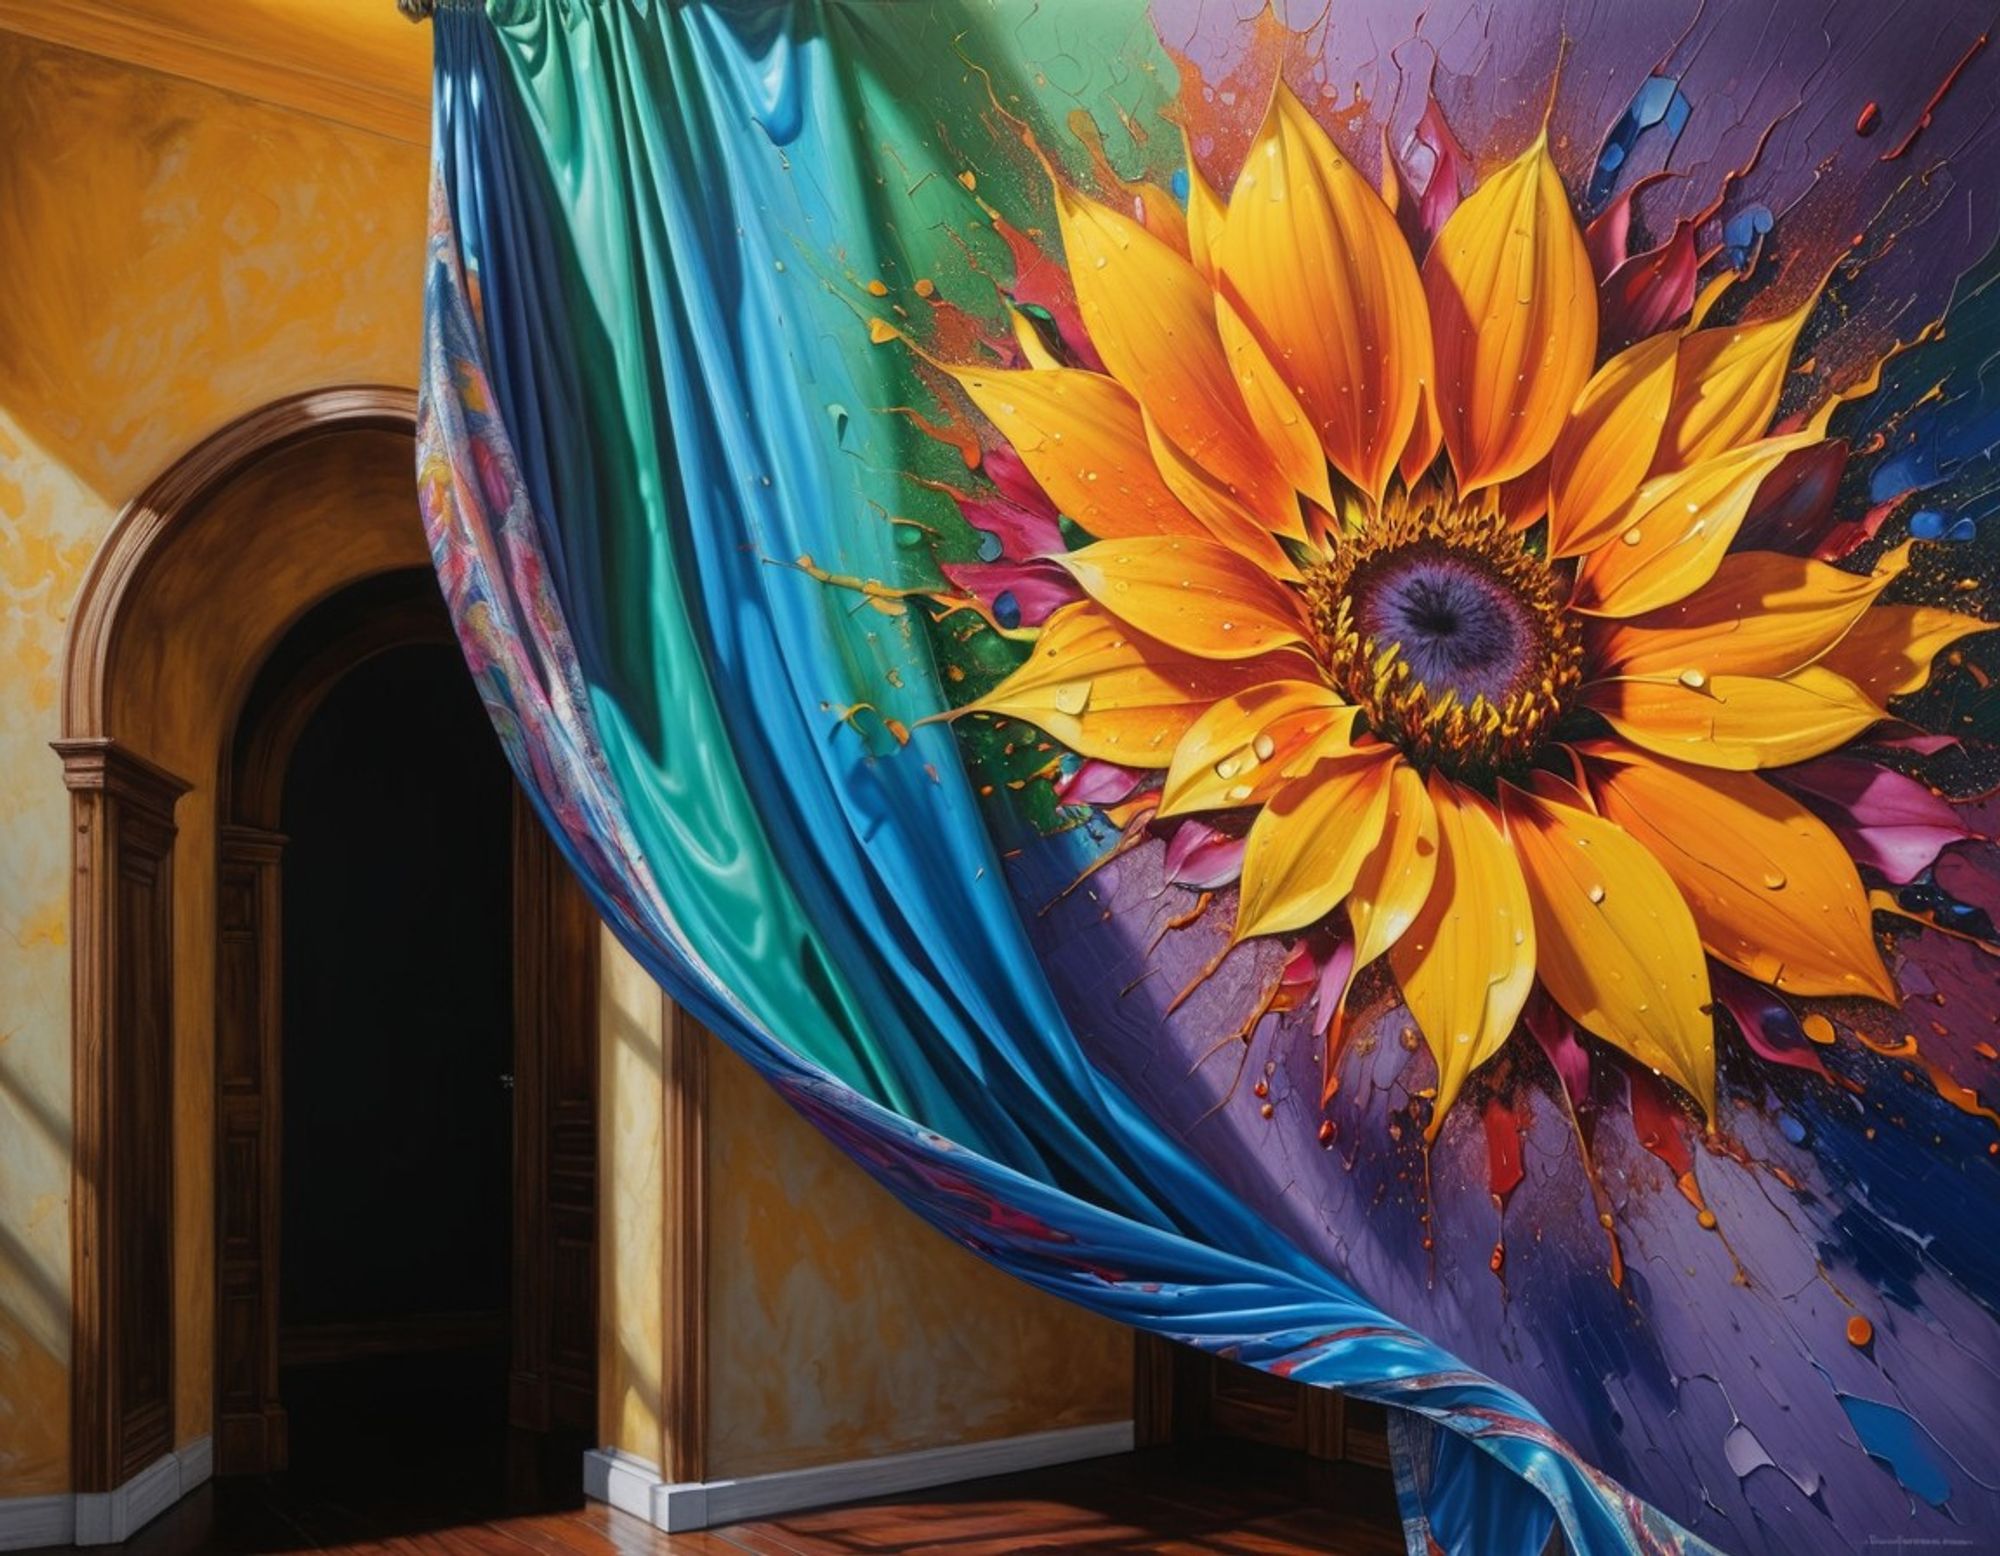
x,y
1153,1370
352,63
121,1206
552,1374
140,529
684,1284
251,1435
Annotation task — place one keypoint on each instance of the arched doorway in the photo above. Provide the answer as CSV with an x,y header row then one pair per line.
x,y
406,979
231,603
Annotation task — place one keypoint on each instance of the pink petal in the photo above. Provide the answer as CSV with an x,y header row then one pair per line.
x,y
1793,509
1098,783
1887,821
1769,1025
1431,176
1003,467
1201,858
1556,1033
1606,238
1334,974
1649,291
1038,587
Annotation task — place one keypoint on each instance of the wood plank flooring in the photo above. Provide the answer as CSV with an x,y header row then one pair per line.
x,y
411,1456
1220,1500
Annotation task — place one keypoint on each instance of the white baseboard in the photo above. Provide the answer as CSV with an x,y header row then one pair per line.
x,y
634,1486
106,1517
26,1522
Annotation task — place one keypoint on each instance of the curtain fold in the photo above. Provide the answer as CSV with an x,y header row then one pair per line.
x,y
667,494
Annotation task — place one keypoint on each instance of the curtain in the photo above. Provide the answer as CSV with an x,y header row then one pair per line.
x,y
767,575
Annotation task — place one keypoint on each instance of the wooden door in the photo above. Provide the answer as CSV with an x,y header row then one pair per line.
x,y
1183,1395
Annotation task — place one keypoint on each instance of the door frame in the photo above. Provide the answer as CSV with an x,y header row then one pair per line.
x,y
128,933
143,909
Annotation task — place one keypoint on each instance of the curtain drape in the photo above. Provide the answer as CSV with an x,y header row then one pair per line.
x,y
688,483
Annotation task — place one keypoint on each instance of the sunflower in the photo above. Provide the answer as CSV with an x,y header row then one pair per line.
x,y
1380,555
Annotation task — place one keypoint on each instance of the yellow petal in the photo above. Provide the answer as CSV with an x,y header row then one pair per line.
x,y
1669,538
1426,438
1315,263
1467,963
1726,387
1307,844
1152,319
1394,882
1102,690
1615,945
1606,447
1513,308
1083,439
1763,613
1029,340
1198,595
1772,891
1205,211
1281,420
1246,747
1890,650
1221,511
1738,722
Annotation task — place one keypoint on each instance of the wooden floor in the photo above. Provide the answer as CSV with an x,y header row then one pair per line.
x,y
406,1456
1231,1502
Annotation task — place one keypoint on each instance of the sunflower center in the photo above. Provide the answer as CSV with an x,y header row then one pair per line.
x,y
1449,634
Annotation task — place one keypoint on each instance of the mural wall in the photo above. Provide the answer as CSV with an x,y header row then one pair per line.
x,y
1320,675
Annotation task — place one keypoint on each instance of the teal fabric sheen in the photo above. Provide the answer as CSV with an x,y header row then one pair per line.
x,y
640,389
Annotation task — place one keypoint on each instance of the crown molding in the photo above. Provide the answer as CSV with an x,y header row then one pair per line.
x,y
353,61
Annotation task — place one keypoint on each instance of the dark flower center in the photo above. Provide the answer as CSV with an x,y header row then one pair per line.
x,y
1459,628
1449,634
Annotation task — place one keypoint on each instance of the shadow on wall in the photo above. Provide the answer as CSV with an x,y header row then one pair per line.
x,y
34,1359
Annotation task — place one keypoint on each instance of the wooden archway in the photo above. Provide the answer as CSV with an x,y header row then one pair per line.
x,y
193,584
178,722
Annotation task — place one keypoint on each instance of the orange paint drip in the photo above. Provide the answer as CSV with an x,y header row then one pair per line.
x,y
1860,1333
962,438
1947,1085
890,601
1208,110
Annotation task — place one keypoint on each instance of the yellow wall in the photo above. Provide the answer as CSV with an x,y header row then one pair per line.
x,y
839,1326
174,256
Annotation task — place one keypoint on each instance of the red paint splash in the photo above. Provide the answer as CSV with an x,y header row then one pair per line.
x,y
1924,119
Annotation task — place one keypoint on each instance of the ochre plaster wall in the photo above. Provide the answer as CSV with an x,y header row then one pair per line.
x,y
841,1327
174,256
